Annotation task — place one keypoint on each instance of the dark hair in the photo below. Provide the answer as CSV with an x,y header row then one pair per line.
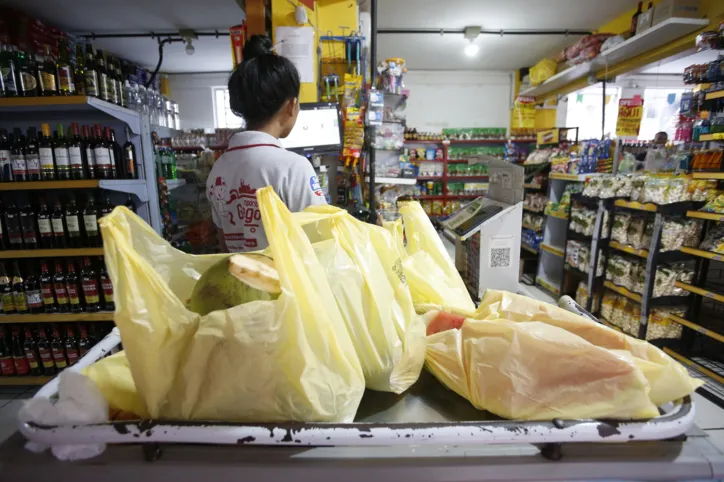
x,y
261,84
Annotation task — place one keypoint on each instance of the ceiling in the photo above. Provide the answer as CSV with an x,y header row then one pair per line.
x,y
430,52
677,66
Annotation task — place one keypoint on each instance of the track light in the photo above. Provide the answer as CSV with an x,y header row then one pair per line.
x,y
472,33
471,49
189,47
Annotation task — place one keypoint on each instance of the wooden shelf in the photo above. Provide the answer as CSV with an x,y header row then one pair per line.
x,y
696,327
649,207
700,291
37,185
703,254
5,381
623,291
641,253
708,175
57,317
50,253
694,365
552,249
528,248
705,215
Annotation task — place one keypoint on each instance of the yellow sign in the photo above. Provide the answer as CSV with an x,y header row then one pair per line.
x,y
550,136
630,112
523,113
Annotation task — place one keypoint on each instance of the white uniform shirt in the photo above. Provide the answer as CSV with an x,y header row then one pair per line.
x,y
237,174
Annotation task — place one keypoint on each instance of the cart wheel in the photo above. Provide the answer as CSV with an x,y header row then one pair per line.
x,y
552,451
151,452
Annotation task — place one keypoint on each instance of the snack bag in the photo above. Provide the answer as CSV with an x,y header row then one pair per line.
x,y
433,279
542,71
287,359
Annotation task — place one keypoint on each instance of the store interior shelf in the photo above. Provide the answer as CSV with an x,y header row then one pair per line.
x,y
430,198
16,381
623,291
552,249
641,253
456,161
650,207
703,254
575,271
407,181
528,248
71,103
718,377
719,94
38,185
532,186
166,132
50,253
548,286
57,317
557,215
467,178
411,141
719,136
220,147
700,291
175,183
656,36
463,196
705,215
708,175
430,178
129,186
478,141
562,176
528,226
696,327
610,325
530,210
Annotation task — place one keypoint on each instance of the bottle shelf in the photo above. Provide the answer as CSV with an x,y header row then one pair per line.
x,y
10,381
130,186
57,317
50,253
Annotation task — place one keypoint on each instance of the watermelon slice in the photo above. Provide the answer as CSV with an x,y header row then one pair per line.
x,y
444,321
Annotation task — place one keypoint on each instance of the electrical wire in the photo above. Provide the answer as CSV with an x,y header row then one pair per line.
x,y
161,44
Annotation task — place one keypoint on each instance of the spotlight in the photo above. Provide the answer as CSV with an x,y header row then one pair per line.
x,y
471,50
190,47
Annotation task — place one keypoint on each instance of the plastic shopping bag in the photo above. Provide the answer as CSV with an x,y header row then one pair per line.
x,y
434,281
363,266
524,371
262,361
542,71
668,379
112,375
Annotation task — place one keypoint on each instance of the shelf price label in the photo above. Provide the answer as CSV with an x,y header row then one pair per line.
x,y
630,112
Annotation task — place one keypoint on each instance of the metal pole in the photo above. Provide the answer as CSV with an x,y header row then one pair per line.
x,y
373,72
603,110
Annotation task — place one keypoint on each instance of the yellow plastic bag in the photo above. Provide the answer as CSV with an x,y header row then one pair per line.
x,y
112,376
432,276
362,263
668,379
524,371
262,361
542,71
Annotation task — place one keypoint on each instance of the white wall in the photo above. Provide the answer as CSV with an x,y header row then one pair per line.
x,y
440,99
193,94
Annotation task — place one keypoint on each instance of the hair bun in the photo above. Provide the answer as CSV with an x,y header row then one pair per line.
x,y
257,46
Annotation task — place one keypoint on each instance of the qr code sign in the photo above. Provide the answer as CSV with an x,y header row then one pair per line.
x,y
499,257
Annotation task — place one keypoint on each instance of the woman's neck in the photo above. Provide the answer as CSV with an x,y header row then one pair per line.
x,y
271,128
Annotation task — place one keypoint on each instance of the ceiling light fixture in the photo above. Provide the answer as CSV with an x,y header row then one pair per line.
x,y
189,36
190,47
472,33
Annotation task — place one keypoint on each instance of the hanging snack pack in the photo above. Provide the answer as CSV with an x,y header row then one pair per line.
x,y
287,359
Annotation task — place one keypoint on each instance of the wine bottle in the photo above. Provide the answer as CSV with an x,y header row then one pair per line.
x,y
79,74
45,151
62,157
9,72
60,289
72,222
114,150
57,349
71,346
27,74
60,240
100,62
46,289
32,158
7,367
45,353
33,293
84,343
129,164
17,156
102,155
89,154
89,281
30,348
66,85
90,223
91,73
6,291
27,225
6,160
77,153
107,288
22,368
73,286
13,226
21,304
46,74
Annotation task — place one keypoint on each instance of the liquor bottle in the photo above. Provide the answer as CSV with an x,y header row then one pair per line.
x,y
102,155
60,289
7,367
6,162
90,157
3,242
45,353
33,293
17,156
102,76
91,73
9,72
46,289
71,346
110,79
60,239
45,225
84,343
21,304
72,283
27,74
106,206
79,74
72,223
32,158
45,151
89,281
66,86
62,157
121,71
130,204
107,287
46,74
13,226
27,225
22,368
172,173
76,153
119,82
6,291
114,150
90,222
57,349
129,166
635,19
30,348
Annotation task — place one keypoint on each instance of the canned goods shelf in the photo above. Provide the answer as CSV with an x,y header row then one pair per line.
x,y
50,253
57,317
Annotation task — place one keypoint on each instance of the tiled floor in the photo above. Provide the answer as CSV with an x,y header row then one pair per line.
x,y
11,399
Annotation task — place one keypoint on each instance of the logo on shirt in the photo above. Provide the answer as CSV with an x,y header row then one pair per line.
x,y
315,186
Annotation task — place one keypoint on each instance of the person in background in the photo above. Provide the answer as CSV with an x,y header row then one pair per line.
x,y
264,91
656,157
660,139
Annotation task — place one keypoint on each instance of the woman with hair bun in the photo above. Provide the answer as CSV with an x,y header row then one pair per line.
x,y
264,91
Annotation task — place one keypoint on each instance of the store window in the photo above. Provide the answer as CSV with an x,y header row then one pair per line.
x,y
223,117
661,112
584,111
